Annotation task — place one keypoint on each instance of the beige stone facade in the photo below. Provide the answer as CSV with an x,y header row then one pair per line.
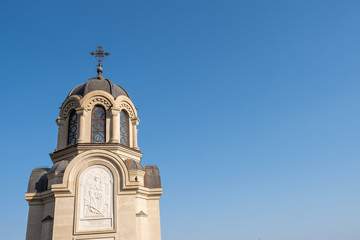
x,y
96,188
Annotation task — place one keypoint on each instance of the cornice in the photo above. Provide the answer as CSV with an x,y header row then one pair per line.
x,y
149,193
70,152
39,198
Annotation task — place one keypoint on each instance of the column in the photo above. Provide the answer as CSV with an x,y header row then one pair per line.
x,y
81,112
60,122
135,122
115,126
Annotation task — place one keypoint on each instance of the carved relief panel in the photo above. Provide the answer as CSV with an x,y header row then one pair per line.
x,y
95,203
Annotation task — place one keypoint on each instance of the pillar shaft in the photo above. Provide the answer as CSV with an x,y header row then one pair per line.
x,y
115,126
81,112
135,122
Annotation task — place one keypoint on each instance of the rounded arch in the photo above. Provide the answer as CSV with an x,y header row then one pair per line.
x,y
70,104
124,103
97,157
97,98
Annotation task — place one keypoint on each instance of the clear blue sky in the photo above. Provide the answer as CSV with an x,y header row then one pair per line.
x,y
251,109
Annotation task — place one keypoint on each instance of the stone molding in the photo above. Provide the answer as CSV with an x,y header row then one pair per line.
x,y
39,198
96,101
149,193
128,108
70,152
125,103
96,157
114,112
70,106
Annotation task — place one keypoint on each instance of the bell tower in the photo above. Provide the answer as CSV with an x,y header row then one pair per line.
x,y
97,188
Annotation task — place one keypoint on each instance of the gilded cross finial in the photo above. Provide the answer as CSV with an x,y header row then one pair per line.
x,y
100,54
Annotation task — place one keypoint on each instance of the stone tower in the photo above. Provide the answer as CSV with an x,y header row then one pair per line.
x,y
96,188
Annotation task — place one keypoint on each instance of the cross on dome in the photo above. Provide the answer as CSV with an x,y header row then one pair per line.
x,y
100,54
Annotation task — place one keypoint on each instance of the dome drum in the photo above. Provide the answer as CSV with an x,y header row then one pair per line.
x,y
97,111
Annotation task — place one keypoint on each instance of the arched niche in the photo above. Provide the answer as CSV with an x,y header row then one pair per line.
x,y
97,157
95,200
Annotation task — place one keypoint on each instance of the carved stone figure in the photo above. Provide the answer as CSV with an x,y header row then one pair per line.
x,y
96,198
95,202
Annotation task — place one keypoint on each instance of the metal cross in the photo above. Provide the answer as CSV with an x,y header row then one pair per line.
x,y
99,53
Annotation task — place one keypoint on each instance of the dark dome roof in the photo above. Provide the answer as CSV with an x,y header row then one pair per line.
x,y
94,84
38,180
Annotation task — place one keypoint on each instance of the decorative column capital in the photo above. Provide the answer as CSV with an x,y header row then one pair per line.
x,y
135,121
60,121
114,112
80,111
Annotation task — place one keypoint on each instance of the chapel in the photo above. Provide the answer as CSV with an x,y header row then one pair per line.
x,y
97,188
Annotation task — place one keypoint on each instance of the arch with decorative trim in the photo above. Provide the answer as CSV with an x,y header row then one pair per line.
x,y
97,97
125,103
97,157
69,105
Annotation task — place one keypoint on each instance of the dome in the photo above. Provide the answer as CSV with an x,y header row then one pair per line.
x,y
38,180
59,166
131,164
94,84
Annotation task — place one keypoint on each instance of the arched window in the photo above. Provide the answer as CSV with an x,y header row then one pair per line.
x,y
124,128
98,119
72,128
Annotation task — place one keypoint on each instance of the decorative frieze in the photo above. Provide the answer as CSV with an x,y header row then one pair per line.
x,y
128,108
97,100
68,107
